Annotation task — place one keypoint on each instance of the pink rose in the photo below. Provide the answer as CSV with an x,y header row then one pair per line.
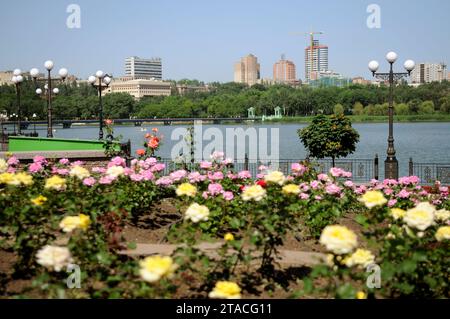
x,y
228,195
392,202
215,189
89,181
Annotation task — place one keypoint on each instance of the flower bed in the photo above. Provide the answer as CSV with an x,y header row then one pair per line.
x,y
57,217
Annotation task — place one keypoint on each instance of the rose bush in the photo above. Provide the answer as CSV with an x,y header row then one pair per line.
x,y
58,213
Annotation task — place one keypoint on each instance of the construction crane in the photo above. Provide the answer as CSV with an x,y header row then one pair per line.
x,y
311,50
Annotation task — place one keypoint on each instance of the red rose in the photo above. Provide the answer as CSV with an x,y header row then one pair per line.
x,y
261,183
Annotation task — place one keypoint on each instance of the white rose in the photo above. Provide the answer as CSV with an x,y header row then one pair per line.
x,y
197,213
420,217
54,257
115,171
79,172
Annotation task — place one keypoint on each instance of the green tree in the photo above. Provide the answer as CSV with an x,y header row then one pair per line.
x,y
414,106
401,109
338,109
426,107
358,108
331,136
445,104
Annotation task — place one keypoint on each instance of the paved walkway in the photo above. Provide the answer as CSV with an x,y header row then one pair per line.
x,y
287,257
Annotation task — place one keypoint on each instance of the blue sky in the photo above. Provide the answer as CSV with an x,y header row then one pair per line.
x,y
202,39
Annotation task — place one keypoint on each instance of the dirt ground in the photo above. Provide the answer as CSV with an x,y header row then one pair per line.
x,y
152,228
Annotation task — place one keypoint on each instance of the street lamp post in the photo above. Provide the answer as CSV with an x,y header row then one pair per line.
x,y
17,79
391,162
14,116
48,90
103,82
34,122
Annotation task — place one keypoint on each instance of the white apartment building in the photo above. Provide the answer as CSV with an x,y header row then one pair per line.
x,y
428,72
143,68
319,61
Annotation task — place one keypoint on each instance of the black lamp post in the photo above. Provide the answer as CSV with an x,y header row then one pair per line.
x,y
34,122
100,81
49,92
17,79
14,116
391,162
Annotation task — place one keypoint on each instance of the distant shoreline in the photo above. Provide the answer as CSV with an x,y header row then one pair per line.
x,y
440,118
432,118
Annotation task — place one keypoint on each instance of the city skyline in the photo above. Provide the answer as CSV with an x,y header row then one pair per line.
x,y
204,40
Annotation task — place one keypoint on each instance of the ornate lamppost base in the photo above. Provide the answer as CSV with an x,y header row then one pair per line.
x,y
391,168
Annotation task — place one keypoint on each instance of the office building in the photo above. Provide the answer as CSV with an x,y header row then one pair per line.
x,y
138,68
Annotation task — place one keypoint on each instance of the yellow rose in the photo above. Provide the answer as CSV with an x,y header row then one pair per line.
x,y
254,192
197,213
154,268
226,290
361,295
55,182
338,239
442,215
6,178
443,233
275,177
420,217
228,237
372,199
3,165
397,213
291,189
39,201
79,172
24,179
361,257
186,189
84,222
70,223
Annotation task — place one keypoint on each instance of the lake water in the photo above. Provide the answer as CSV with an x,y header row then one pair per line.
x,y
424,142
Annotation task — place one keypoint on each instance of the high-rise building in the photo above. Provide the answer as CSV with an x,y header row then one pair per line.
x,y
138,68
428,72
319,60
247,70
284,71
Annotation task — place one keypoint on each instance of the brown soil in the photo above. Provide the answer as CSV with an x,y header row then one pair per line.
x,y
151,228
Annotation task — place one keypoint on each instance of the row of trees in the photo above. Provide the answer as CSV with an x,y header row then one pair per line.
x,y
233,100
